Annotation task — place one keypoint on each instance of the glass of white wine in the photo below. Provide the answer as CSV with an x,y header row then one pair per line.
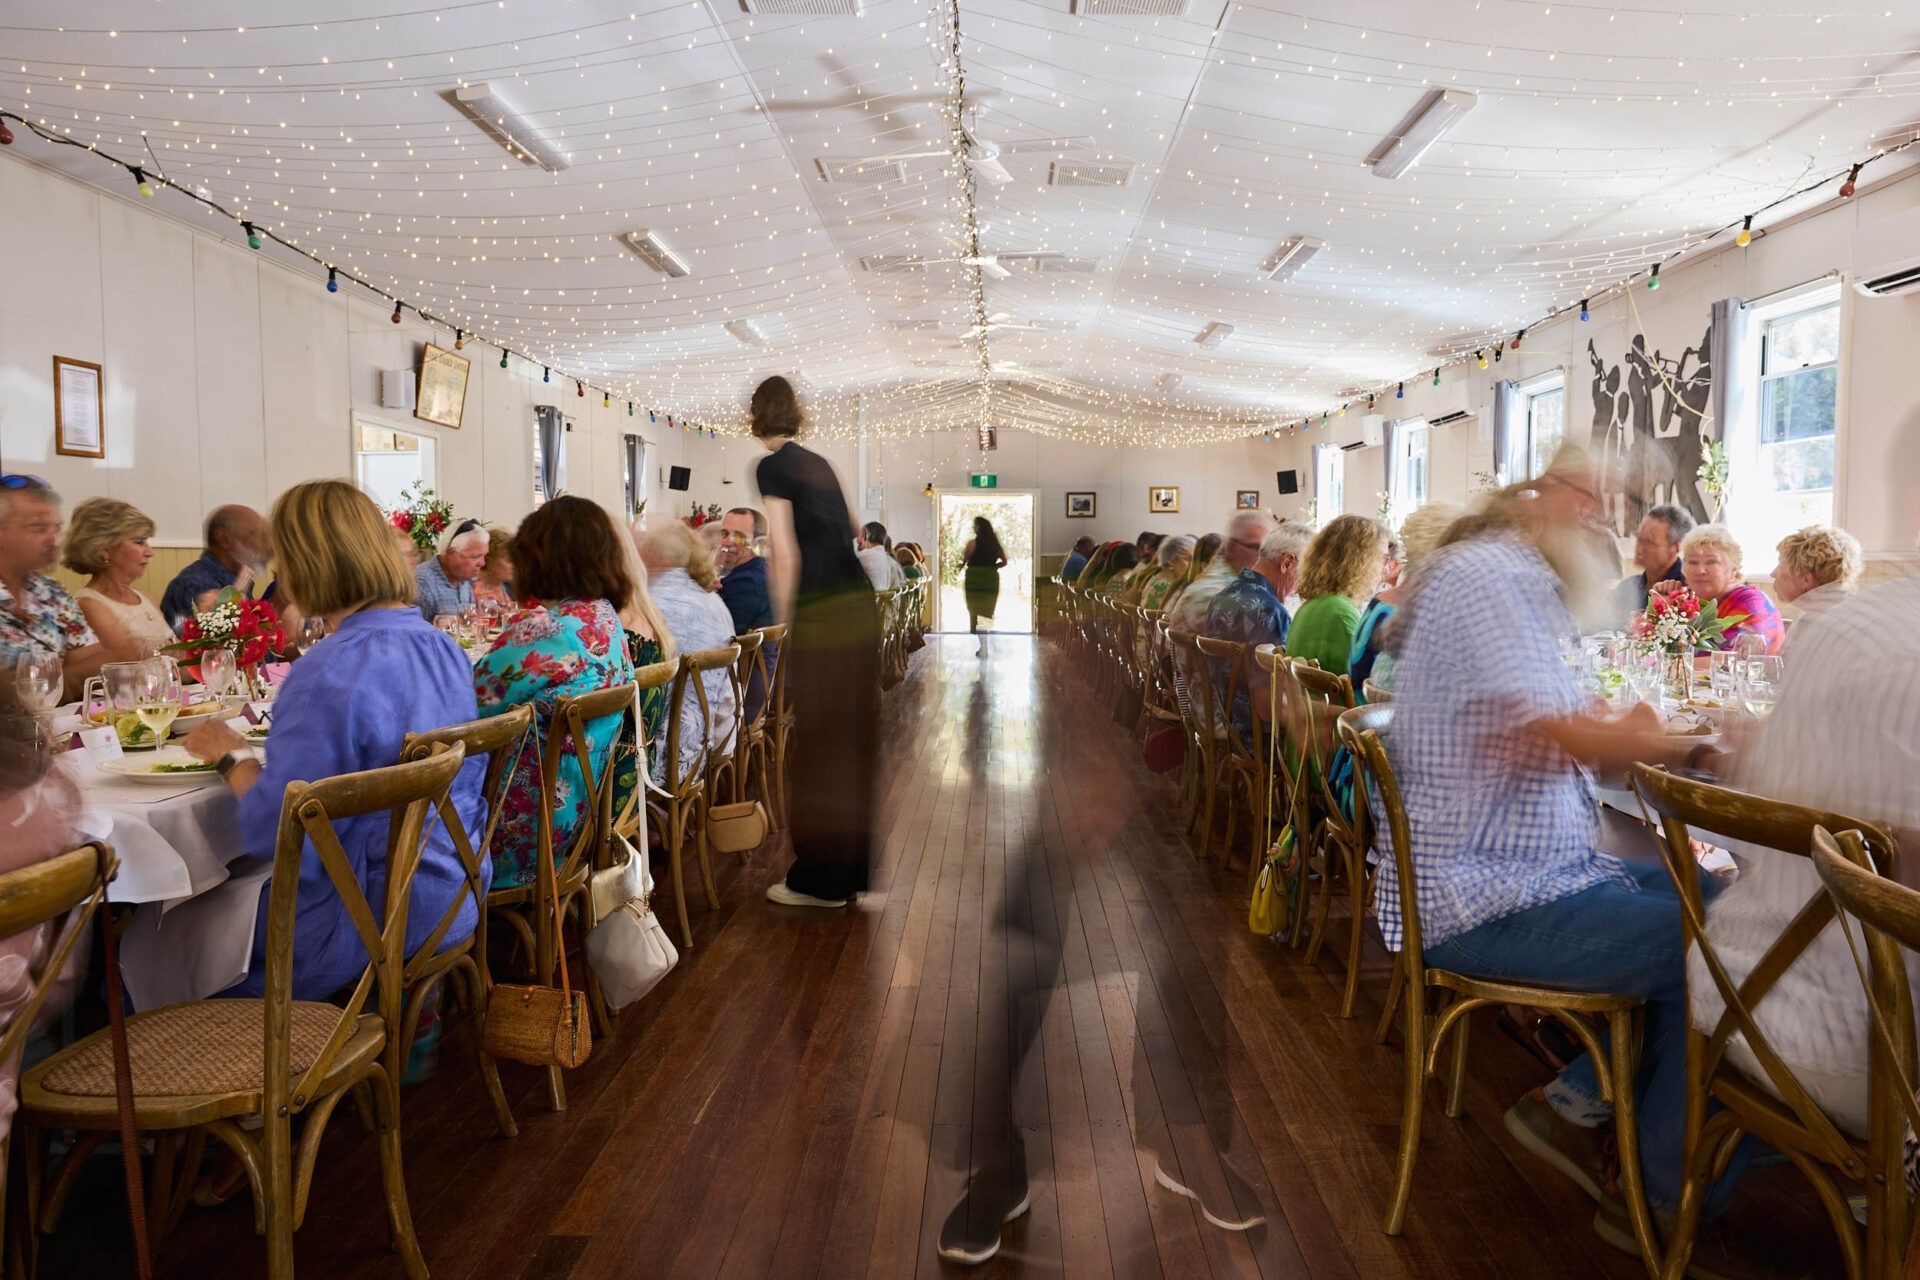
x,y
157,698
1760,681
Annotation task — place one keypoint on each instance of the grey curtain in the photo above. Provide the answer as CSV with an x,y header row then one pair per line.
x,y
1390,440
1728,395
553,443
1506,417
636,472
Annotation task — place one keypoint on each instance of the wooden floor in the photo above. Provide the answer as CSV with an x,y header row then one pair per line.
x,y
801,1097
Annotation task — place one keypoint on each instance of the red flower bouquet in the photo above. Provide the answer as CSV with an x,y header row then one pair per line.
x,y
422,515
1675,621
249,629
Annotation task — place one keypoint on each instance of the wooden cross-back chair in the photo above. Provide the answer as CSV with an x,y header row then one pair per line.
x,y
72,885
1193,687
498,740
1158,705
1773,1105
1890,913
208,1065
726,770
753,751
1239,760
679,806
1336,838
526,909
1426,1030
780,724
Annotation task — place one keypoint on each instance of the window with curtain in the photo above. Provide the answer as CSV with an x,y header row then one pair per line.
x,y
1329,482
1781,466
549,453
539,470
1545,424
633,472
1411,480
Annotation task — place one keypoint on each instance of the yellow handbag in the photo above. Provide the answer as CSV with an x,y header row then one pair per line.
x,y
1276,892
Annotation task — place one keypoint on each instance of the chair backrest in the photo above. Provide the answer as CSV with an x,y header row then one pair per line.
x,y
782,675
1363,730
1683,807
1190,683
1890,913
1376,692
688,679
567,734
74,885
500,740
1368,718
1324,696
407,793
1228,664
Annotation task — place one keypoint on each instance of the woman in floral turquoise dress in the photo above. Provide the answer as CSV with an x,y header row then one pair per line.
x,y
571,572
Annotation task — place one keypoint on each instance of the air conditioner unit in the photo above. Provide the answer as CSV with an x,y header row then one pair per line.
x,y
396,388
1449,404
1886,255
1371,430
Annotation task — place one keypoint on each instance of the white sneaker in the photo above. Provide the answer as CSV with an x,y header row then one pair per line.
x,y
778,892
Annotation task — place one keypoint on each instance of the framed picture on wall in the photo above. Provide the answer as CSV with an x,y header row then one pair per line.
x,y
1163,499
1080,506
79,409
443,387
1246,500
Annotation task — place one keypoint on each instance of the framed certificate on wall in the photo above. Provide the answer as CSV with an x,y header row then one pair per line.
x,y
443,387
79,409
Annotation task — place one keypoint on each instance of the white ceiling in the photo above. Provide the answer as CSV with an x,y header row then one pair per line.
x,y
1605,137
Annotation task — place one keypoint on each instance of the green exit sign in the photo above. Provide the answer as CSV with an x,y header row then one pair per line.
x,y
985,480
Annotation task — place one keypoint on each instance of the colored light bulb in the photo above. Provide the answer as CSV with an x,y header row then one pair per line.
x,y
1653,277
253,237
1745,237
333,280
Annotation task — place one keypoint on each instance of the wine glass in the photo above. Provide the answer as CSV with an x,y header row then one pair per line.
x,y
157,697
312,632
37,680
1724,675
448,622
217,670
1760,682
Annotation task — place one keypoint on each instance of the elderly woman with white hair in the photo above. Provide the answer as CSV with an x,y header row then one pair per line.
x,y
1710,560
681,581
1819,567
445,583
1170,564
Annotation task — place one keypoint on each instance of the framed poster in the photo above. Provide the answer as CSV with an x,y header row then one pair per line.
x,y
1163,499
443,387
79,409
1246,500
1080,506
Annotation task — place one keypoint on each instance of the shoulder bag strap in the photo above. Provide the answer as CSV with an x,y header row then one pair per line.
x,y
123,1088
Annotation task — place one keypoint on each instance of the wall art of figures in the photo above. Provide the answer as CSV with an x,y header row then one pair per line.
x,y
1651,426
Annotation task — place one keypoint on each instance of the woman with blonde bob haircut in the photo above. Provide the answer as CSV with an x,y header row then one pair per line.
x,y
1710,560
382,672
109,541
1819,567
1343,566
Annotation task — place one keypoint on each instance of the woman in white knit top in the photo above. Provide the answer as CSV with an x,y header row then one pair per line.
x,y
108,540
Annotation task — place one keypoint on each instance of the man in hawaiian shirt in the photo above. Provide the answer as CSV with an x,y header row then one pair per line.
x,y
36,613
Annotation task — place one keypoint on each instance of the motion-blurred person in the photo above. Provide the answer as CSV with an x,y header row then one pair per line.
x,y
983,558
1369,658
1170,565
1239,548
235,555
1819,568
36,613
681,582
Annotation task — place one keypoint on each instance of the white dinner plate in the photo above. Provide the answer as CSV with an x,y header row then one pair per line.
x,y
148,768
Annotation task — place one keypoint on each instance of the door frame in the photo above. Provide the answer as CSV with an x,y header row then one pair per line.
x,y
968,491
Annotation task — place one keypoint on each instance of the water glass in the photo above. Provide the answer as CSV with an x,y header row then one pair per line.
x,y
1724,676
37,680
1760,683
448,622
217,671
312,632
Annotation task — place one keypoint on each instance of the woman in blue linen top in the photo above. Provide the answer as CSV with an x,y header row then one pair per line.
x,y
566,640
381,673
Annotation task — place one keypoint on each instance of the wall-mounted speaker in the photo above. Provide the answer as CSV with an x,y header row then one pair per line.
x,y
679,477
1286,481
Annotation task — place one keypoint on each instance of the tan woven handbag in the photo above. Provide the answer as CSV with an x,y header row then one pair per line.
x,y
737,828
538,1025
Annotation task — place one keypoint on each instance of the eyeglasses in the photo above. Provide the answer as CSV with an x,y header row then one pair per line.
x,y
12,481
1242,542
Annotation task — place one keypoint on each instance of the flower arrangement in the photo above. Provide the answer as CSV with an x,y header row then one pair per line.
x,y
704,515
422,515
249,629
1676,622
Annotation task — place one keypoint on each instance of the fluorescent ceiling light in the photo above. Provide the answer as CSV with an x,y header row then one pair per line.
x,y
747,332
1437,113
1214,334
653,251
498,117
1293,254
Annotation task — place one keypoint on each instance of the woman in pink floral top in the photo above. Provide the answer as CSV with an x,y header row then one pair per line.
x,y
564,640
1710,560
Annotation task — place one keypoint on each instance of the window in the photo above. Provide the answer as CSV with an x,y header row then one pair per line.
x,y
633,472
550,429
1410,483
386,460
1546,424
1329,482
1781,461
539,471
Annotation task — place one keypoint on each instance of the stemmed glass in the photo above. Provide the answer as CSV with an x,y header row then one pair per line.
x,y
37,680
157,697
1760,682
217,670
312,632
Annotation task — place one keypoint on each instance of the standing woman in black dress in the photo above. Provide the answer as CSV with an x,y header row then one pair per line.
x,y
819,585
984,559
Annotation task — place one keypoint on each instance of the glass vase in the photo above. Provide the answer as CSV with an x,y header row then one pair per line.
x,y
1678,681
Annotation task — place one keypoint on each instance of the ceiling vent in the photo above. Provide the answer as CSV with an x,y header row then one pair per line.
x,y
1129,8
748,332
1089,173
894,264
514,131
864,173
803,8
1294,253
1214,334
653,251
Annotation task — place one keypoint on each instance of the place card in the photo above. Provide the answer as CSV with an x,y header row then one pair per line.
x,y
101,744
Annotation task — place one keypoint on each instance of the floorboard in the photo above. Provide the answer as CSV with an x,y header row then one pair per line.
x,y
805,1095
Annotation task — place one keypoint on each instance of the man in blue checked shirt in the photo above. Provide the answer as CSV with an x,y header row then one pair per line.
x,y
1491,743
445,583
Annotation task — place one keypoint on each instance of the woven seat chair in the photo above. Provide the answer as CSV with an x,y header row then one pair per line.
x,y
525,909
1336,841
74,886
679,804
1890,913
1772,1105
1239,762
209,1065
498,741
1459,994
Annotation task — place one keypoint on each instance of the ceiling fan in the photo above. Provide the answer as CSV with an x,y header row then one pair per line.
x,y
992,265
1001,322
981,154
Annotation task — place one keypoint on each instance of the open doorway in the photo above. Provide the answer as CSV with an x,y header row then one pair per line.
x,y
1012,518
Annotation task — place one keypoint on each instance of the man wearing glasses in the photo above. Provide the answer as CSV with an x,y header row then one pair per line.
x,y
36,613
743,588
1245,532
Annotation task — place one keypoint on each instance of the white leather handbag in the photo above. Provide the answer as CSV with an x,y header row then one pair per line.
x,y
627,947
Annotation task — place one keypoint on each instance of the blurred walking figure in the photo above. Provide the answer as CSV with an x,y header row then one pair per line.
x,y
820,585
984,558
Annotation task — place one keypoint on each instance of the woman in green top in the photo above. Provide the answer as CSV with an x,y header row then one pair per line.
x,y
1342,568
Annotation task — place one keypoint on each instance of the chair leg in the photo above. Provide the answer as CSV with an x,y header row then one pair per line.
x,y
393,1179
706,867
489,1069
1457,1069
1622,1064
556,1088
1696,1169
1322,899
1359,892
276,1206
676,836
1414,1081
1394,991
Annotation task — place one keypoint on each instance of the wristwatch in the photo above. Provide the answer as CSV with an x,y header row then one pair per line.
x,y
228,762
